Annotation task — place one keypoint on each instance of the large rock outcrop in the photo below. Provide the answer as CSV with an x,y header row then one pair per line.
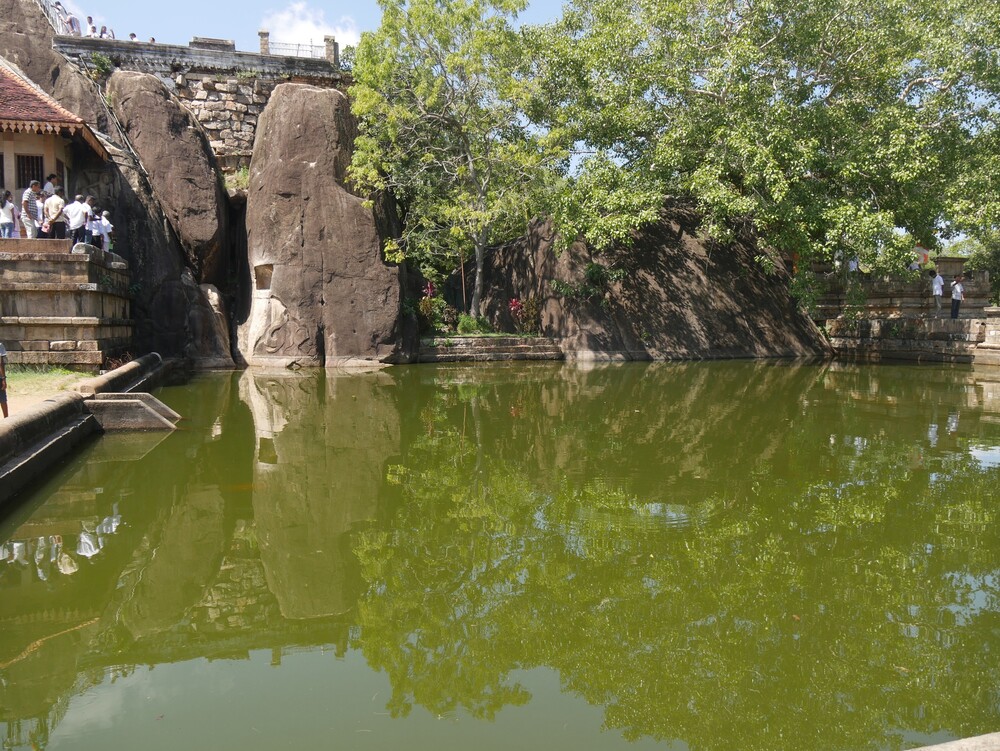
x,y
322,295
680,296
173,314
182,170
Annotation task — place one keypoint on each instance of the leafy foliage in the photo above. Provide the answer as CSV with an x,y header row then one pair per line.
x,y
829,571
820,126
437,90
984,255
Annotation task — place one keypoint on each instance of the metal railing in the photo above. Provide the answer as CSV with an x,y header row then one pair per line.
x,y
298,50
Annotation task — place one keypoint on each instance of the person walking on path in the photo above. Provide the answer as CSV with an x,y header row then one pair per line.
x,y
957,295
937,289
29,209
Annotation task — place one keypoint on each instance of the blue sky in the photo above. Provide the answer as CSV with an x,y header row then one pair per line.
x,y
287,20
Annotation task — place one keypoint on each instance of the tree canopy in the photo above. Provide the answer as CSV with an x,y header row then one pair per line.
x,y
843,127
437,92
825,127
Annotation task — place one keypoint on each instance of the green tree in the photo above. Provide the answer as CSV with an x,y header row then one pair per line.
x,y
984,255
822,127
437,94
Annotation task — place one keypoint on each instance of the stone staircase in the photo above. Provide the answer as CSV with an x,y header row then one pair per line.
x,y
488,349
62,308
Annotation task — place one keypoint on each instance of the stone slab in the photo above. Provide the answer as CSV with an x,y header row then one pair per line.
x,y
989,742
127,414
91,360
148,400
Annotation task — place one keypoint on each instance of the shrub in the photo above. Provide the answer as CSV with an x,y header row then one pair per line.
x,y
470,325
526,315
435,314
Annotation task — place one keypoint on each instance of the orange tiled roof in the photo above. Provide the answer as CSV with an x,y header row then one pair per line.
x,y
25,108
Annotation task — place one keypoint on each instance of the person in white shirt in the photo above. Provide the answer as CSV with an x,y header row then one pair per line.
x,y
957,295
106,229
51,183
94,229
77,215
937,289
54,217
8,214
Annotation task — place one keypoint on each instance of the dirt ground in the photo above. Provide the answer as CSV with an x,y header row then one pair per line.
x,y
25,390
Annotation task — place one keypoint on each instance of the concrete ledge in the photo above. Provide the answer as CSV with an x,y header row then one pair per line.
x,y
133,410
133,413
123,378
30,443
23,430
989,742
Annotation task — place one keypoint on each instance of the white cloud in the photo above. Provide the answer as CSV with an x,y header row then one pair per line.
x,y
298,23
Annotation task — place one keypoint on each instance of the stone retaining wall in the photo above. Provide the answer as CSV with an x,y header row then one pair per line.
x,y
225,89
885,297
915,339
988,352
59,307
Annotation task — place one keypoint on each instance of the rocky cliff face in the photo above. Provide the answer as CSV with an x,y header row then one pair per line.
x,y
174,315
679,296
321,293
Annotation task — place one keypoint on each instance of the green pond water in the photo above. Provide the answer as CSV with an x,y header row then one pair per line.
x,y
728,555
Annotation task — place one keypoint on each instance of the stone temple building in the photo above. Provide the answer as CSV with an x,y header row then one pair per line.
x,y
57,307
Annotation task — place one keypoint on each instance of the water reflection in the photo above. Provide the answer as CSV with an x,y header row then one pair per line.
x,y
759,555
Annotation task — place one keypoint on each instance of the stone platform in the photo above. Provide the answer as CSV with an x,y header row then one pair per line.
x,y
488,349
60,307
963,340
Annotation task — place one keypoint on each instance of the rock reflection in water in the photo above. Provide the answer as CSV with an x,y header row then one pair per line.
x,y
322,444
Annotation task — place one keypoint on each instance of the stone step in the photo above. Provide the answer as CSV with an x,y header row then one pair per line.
x,y
492,348
72,269
26,329
496,348
63,300
75,358
488,355
488,341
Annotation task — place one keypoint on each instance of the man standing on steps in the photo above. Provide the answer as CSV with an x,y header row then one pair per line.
x,y
957,295
77,214
29,209
53,213
937,289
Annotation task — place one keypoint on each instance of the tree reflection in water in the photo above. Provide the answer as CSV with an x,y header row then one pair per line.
x,y
763,556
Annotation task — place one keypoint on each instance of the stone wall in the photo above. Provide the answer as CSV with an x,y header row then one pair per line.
x,y
988,353
63,308
225,89
891,297
913,339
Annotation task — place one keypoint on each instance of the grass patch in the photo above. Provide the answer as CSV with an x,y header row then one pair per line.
x,y
39,378
238,180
